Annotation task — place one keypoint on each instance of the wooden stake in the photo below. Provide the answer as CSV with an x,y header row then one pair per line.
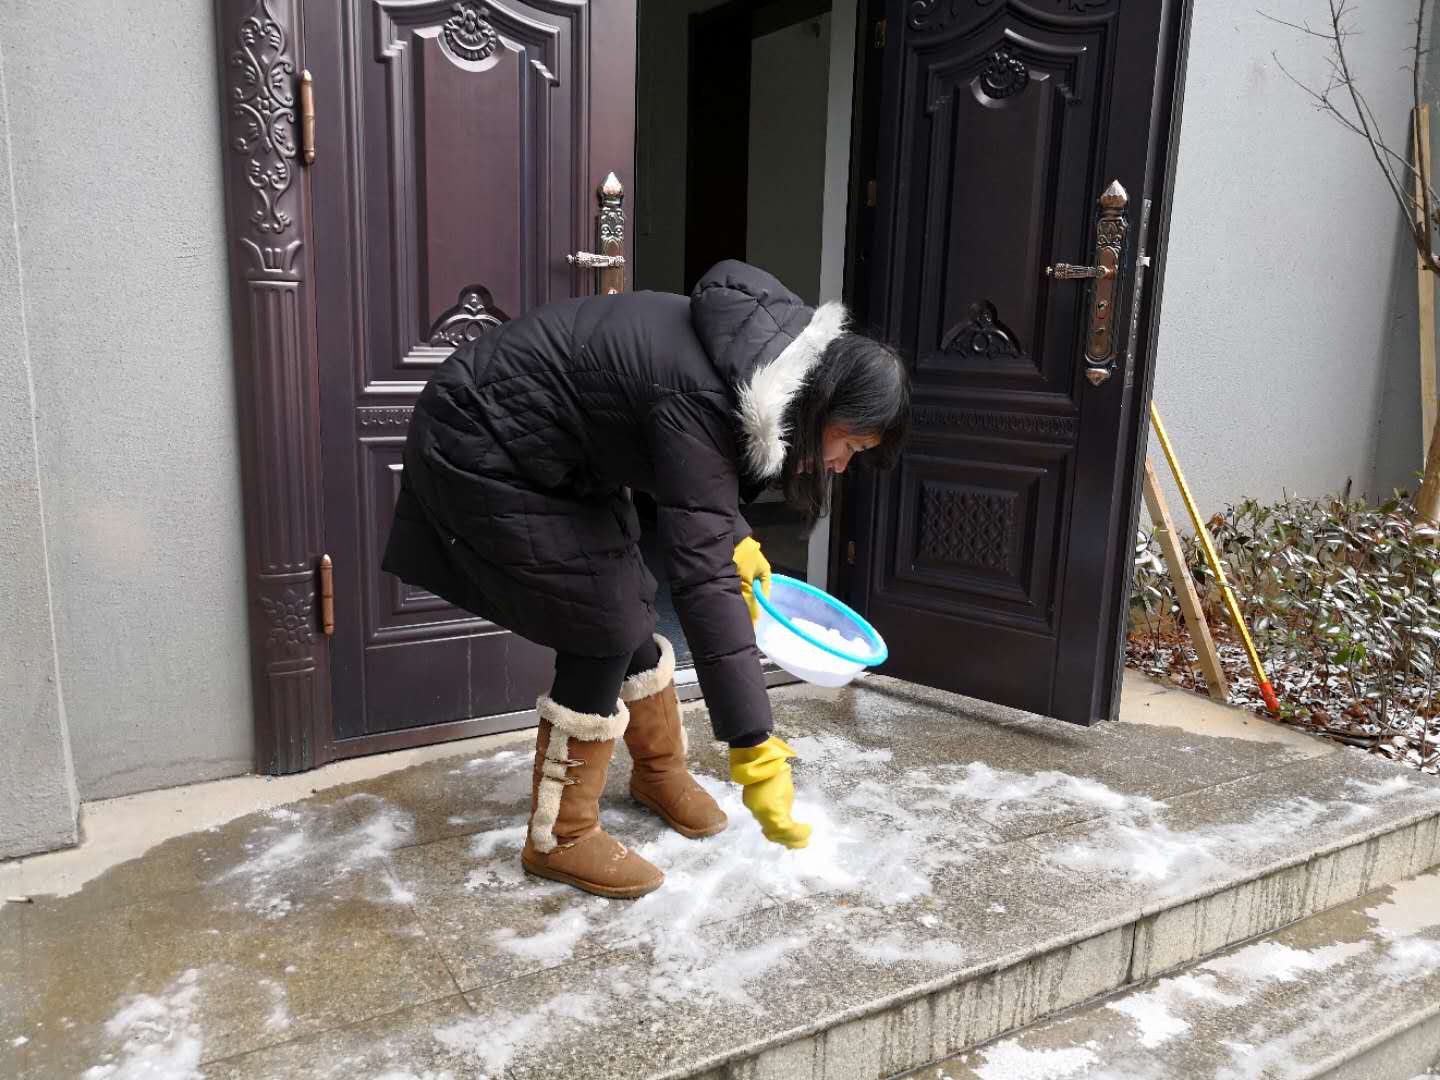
x,y
1426,282
1184,586
1427,499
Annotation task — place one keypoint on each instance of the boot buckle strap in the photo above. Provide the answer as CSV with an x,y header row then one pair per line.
x,y
555,770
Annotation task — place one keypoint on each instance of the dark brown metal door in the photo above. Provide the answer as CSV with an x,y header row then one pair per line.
x,y
995,558
459,149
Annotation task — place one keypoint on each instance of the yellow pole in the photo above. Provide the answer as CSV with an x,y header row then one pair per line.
x,y
1232,606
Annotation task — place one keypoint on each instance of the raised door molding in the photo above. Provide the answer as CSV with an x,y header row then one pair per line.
x,y
276,377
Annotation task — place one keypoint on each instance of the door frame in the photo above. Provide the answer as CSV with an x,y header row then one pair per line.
x,y
271,262
268,219
854,519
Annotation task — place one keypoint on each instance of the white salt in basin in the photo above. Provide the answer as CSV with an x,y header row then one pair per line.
x,y
814,636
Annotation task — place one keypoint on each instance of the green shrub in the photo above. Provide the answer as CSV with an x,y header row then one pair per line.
x,y
1343,602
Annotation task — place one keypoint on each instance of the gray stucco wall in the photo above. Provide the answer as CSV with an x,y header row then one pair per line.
x,y
114,113
786,191
37,783
1288,358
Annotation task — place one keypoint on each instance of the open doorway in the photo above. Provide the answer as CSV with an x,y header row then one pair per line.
x,y
743,126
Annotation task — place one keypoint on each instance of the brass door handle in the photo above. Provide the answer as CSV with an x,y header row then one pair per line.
x,y
587,260
1111,235
1071,272
609,261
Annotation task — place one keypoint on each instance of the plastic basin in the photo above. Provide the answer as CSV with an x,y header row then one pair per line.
x,y
814,636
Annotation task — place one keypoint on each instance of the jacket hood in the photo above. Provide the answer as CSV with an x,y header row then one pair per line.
x,y
764,340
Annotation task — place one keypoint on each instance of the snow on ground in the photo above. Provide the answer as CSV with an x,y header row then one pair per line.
x,y
158,1036
1132,846
279,1018
494,1040
881,838
1010,1061
1235,993
996,792
330,839
1158,1013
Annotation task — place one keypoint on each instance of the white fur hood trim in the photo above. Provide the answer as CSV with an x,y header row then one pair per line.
x,y
764,399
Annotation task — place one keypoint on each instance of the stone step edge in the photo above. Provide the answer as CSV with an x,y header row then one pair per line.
x,y
1415,1040
865,1036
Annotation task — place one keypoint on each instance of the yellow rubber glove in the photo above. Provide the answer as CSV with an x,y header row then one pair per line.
x,y
769,795
750,564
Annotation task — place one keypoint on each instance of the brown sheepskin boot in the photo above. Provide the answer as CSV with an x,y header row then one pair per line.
x,y
656,741
565,842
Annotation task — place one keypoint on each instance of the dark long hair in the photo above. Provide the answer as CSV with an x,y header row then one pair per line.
x,y
860,384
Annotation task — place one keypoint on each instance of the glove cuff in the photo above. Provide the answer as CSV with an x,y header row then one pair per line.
x,y
752,764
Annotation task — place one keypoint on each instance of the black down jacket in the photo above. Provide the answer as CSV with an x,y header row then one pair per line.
x,y
513,502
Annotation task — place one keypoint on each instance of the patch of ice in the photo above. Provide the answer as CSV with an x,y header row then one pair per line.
x,y
398,893
1009,1060
1278,962
161,1037
552,944
323,841
279,1018
1182,859
1158,1012
483,845
505,874
893,948
1355,813
1410,957
493,1040
687,968
270,907
834,752
1382,789
999,791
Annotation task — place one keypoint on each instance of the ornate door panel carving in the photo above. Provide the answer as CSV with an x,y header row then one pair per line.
x,y
993,559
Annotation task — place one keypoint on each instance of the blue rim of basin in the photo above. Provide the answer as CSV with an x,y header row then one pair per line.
x,y
878,656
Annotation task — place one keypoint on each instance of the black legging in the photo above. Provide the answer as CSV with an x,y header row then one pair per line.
x,y
591,684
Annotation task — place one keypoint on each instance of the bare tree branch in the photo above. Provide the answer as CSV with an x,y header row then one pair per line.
x,y
1362,109
1408,178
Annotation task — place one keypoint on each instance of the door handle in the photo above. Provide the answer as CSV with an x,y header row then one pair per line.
x,y
609,261
588,260
1112,233
1071,272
